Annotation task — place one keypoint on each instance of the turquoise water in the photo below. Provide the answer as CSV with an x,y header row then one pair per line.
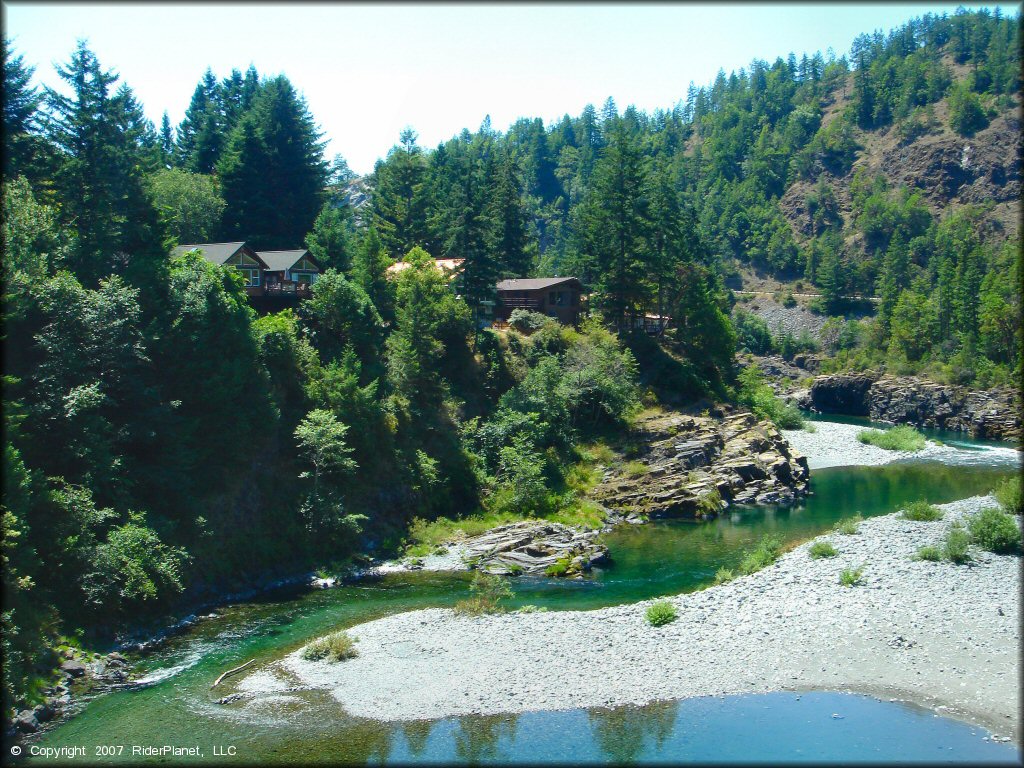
x,y
665,557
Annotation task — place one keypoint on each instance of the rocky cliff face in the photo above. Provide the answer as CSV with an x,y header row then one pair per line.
x,y
992,414
691,465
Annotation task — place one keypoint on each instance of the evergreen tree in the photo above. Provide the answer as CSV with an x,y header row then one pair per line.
x,y
509,238
21,104
328,241
369,271
100,178
399,197
272,171
167,155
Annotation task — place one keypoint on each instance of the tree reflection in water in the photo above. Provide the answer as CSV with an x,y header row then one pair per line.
x,y
416,733
477,737
621,733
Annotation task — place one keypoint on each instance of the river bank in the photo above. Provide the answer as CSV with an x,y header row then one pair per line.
x,y
937,633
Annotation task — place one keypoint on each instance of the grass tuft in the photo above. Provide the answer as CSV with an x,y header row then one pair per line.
x,y
660,613
724,575
851,577
896,439
931,554
764,554
1008,494
922,511
849,526
820,549
334,647
635,469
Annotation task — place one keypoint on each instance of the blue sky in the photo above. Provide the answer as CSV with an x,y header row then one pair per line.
x,y
368,71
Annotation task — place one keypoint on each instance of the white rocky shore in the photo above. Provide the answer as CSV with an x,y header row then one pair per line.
x,y
832,444
932,632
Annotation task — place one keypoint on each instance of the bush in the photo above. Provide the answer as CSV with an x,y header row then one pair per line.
x,y
532,609
994,530
821,549
661,613
723,575
635,469
922,511
488,590
955,547
1008,494
334,647
760,398
932,554
525,321
561,567
710,504
851,577
767,552
849,526
895,439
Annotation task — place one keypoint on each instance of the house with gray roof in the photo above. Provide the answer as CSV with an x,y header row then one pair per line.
x,y
277,274
557,297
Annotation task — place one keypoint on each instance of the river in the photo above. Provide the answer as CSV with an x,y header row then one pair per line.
x,y
663,557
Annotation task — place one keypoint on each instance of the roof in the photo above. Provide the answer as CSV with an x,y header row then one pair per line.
x,y
218,253
533,283
448,265
279,261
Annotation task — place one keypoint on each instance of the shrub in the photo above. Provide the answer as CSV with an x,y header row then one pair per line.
x,y
760,398
821,549
849,526
1008,494
922,511
635,469
532,609
488,590
561,567
766,553
896,439
709,504
661,613
851,577
954,548
723,575
809,426
994,530
932,554
334,647
525,321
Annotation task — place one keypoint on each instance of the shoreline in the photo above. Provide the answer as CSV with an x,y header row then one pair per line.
x,y
934,633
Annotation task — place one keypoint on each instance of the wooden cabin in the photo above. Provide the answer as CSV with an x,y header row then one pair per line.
x,y
238,255
289,273
556,297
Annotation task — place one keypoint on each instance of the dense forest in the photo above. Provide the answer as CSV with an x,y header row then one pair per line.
x,y
162,440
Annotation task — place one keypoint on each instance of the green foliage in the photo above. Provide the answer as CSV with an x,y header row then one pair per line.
x,y
525,321
902,438
488,591
956,544
661,613
820,549
849,526
1008,494
329,242
762,400
930,554
966,115
752,332
724,575
190,204
561,567
337,646
33,241
851,577
995,530
922,511
767,551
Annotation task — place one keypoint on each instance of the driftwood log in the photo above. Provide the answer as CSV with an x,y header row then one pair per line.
x,y
231,672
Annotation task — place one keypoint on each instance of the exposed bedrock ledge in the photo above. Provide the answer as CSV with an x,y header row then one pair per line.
x,y
988,414
686,459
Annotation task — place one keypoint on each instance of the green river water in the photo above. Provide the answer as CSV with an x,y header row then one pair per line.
x,y
664,557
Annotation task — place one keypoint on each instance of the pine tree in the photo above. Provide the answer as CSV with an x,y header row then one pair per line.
x,y
400,196
166,141
509,239
272,171
369,270
21,103
101,177
328,241
200,133
895,278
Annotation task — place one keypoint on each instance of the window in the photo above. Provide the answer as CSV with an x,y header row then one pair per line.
x,y
251,275
551,297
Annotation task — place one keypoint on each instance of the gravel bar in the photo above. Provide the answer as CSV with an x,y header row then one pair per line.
x,y
939,634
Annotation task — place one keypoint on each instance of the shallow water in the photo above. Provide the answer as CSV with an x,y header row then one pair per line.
x,y
664,557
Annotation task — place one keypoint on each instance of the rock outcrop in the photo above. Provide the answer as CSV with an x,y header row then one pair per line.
x,y
992,414
691,466
534,547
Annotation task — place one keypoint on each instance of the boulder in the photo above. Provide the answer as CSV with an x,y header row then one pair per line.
x,y
26,722
73,668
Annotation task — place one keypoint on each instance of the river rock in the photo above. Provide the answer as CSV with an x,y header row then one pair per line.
x,y
532,547
26,721
695,465
73,668
984,414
